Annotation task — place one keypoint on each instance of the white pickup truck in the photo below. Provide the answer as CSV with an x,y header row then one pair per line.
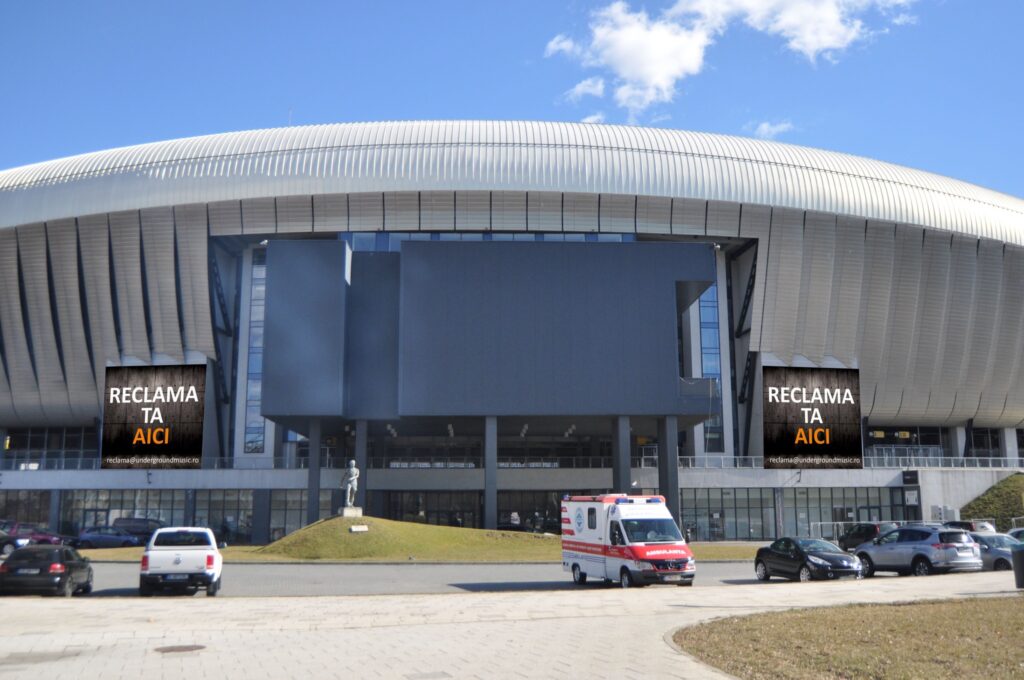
x,y
181,558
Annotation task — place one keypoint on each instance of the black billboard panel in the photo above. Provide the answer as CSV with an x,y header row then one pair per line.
x,y
153,417
812,418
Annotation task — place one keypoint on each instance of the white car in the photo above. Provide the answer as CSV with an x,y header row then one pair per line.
x,y
181,558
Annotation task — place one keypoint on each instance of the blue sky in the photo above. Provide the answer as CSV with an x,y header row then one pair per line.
x,y
931,84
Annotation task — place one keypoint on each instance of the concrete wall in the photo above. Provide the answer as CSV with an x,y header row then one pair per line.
x,y
371,335
956,488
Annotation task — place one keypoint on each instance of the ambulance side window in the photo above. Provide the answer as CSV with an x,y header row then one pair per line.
x,y
591,518
616,534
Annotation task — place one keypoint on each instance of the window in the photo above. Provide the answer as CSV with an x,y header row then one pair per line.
x,y
255,425
711,365
591,518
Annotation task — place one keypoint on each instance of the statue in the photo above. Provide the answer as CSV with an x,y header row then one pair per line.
x,y
350,483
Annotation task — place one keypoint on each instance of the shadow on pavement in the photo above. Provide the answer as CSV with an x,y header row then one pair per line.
x,y
508,587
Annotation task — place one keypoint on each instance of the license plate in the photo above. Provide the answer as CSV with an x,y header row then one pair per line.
x,y
965,551
673,577
28,571
176,577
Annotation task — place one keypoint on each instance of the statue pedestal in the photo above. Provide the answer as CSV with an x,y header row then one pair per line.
x,y
350,512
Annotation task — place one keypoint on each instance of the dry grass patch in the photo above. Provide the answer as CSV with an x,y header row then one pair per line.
x,y
966,638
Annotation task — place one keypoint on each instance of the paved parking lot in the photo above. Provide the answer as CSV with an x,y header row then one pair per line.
x,y
122,579
593,632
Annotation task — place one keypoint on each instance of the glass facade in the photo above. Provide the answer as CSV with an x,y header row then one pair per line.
x,y
926,441
57,448
288,510
445,508
255,425
25,506
100,507
711,365
392,242
750,514
536,511
227,511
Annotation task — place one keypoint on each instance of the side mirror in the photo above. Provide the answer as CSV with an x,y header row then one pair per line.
x,y
875,541
984,547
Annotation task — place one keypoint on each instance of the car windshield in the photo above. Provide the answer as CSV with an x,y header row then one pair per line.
x,y
651,530
32,555
955,537
1000,541
814,545
181,538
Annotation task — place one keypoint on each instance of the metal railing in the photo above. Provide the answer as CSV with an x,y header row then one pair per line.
x,y
721,462
914,462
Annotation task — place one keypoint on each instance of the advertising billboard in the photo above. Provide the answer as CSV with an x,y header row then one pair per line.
x,y
153,417
812,418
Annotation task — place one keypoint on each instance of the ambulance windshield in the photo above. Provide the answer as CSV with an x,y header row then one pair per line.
x,y
651,530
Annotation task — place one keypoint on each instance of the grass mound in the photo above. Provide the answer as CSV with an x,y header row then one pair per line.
x,y
1002,501
392,541
956,639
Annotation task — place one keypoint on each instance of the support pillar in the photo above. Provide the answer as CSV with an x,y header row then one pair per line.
x,y
959,441
668,463
621,472
54,511
491,472
1008,447
313,486
361,458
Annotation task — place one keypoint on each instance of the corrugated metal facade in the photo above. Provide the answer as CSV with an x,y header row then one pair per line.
x,y
916,279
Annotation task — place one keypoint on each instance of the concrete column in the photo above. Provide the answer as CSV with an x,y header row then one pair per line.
x,y
668,463
261,516
361,458
313,485
959,441
1008,448
621,472
490,472
55,510
725,350
190,508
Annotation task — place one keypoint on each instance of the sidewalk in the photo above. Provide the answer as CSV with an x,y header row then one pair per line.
x,y
594,632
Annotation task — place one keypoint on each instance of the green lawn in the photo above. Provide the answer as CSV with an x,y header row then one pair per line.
x,y
967,638
390,541
1001,501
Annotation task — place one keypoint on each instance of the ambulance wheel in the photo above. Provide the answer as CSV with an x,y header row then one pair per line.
x,y
578,577
626,579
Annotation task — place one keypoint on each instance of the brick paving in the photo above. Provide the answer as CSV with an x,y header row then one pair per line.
x,y
593,632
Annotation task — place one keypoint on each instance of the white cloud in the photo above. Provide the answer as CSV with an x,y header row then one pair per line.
x,y
561,44
649,56
594,118
593,87
904,19
769,130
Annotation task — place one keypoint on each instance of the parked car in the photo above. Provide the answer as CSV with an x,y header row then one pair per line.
x,y
995,550
57,570
1017,533
864,532
970,525
805,559
106,537
921,550
140,527
25,533
183,559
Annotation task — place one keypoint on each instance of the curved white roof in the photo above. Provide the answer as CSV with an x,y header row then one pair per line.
x,y
500,155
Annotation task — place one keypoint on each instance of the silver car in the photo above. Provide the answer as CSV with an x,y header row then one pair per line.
x,y
920,550
1017,533
995,550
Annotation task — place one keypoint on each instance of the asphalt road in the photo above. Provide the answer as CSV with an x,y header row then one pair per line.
x,y
248,580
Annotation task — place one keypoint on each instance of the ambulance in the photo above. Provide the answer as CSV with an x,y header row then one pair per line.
x,y
630,539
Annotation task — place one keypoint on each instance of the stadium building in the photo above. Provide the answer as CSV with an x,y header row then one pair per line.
x,y
489,315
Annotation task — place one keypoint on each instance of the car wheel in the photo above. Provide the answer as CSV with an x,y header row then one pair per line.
x,y
85,545
626,579
922,567
127,544
578,577
805,573
1001,565
7,549
867,566
684,584
86,589
213,589
761,570
145,590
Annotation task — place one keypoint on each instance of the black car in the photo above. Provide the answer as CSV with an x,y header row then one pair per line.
x,y
865,532
140,527
805,559
58,570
